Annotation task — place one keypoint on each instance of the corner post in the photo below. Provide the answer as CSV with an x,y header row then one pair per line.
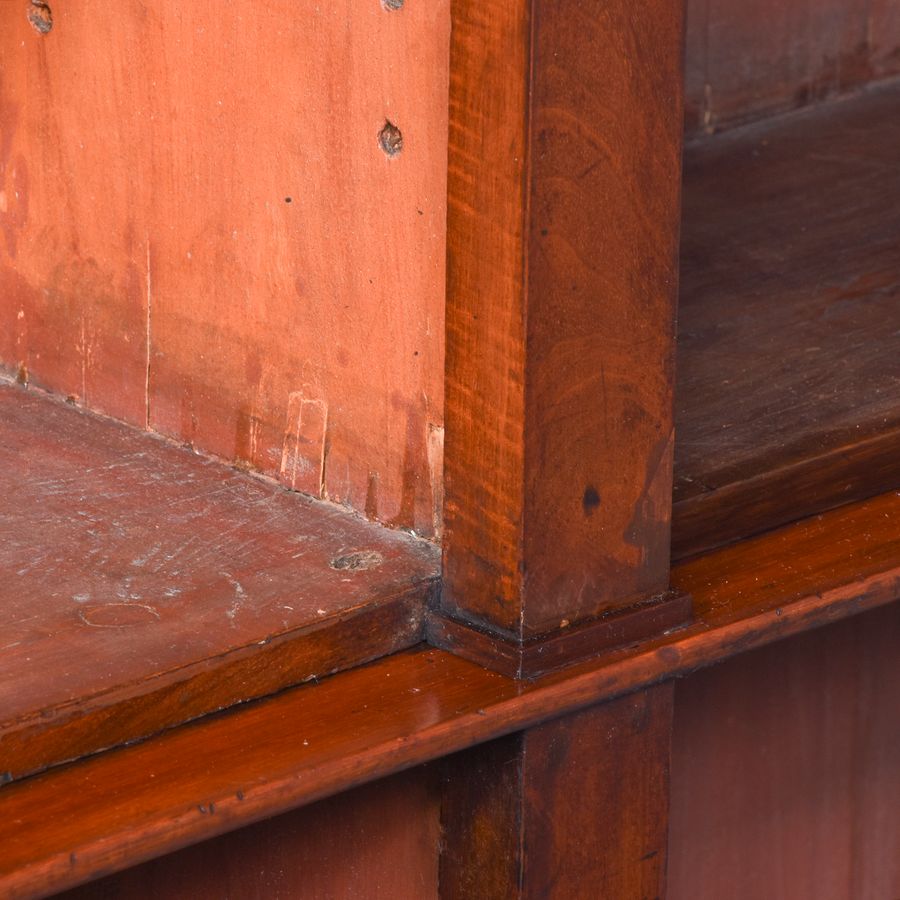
x,y
563,219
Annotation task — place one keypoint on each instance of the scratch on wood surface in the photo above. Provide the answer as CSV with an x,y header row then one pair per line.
x,y
83,349
147,341
118,615
435,450
304,449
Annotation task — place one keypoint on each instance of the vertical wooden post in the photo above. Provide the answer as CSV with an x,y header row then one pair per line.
x,y
577,807
564,188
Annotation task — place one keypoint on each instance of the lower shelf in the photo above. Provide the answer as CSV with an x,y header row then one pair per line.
x,y
190,783
788,393
143,586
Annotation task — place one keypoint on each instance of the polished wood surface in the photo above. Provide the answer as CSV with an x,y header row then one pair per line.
x,y
377,842
563,186
574,808
546,653
144,585
788,394
201,234
128,805
747,59
786,770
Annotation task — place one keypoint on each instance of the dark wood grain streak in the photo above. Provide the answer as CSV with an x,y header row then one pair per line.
x,y
788,397
786,769
131,804
563,187
574,808
143,585
481,821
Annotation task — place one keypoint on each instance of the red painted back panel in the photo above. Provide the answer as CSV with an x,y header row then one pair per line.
x,y
199,231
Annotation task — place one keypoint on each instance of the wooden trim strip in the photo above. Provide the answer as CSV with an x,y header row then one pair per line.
x,y
542,654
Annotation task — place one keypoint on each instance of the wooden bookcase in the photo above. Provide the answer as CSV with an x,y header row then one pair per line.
x,y
450,450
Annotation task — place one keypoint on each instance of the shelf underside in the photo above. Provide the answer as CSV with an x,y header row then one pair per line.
x,y
788,391
143,585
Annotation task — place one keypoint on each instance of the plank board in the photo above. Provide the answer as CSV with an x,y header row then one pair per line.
x,y
200,233
788,392
786,770
143,585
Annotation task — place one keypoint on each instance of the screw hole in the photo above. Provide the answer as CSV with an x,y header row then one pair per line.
x,y
40,17
390,139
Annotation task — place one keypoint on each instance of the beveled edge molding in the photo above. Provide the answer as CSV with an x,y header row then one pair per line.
x,y
545,653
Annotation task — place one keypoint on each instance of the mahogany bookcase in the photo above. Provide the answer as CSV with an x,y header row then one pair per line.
x,y
450,449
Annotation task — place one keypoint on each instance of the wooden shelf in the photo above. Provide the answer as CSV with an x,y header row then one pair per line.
x,y
115,809
788,390
144,585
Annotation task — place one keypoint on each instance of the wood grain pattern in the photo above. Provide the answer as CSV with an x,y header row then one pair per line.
x,y
202,235
563,184
144,585
378,842
788,396
575,808
748,59
124,806
786,770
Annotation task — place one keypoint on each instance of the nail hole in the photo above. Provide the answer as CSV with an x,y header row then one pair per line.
x,y
287,199
40,16
355,562
590,500
391,139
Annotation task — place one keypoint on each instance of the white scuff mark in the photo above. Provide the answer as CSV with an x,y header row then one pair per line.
x,y
141,561
82,597
239,597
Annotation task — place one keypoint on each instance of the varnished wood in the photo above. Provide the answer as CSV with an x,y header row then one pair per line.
x,y
545,653
563,186
378,842
128,805
786,769
143,585
788,398
575,808
200,233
